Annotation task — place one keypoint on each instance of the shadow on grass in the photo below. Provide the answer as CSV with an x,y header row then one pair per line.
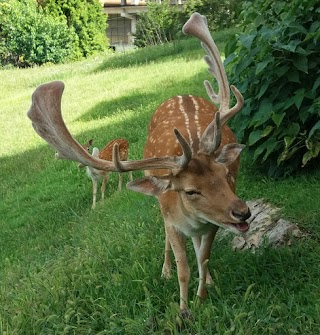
x,y
132,101
44,199
160,53
137,57
40,192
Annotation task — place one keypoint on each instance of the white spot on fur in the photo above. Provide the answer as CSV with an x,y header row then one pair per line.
x,y
196,116
186,118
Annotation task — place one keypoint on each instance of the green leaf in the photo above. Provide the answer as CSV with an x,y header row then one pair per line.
x,y
267,130
304,114
244,64
271,145
298,97
287,154
291,130
263,89
277,118
262,65
262,115
282,70
293,76
254,137
314,129
301,63
288,104
306,157
316,85
246,40
230,59
291,46
258,152
315,26
288,141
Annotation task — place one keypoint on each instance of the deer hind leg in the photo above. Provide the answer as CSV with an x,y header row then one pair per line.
x,y
178,245
94,192
166,268
103,186
120,181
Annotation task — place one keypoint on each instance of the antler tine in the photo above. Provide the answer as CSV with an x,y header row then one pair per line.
x,y
116,158
197,26
175,163
47,121
187,152
211,138
236,108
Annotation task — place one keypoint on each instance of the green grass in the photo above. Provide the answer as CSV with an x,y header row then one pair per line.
x,y
65,269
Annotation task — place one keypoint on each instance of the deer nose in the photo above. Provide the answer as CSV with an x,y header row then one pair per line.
x,y
241,215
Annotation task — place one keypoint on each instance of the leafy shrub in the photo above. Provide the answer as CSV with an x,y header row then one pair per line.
x,y
163,22
275,64
160,24
85,18
28,36
220,14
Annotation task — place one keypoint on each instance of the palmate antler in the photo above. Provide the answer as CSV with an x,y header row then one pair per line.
x,y
47,121
210,141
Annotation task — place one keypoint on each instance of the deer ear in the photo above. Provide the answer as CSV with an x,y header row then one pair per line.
x,y
90,142
229,153
150,185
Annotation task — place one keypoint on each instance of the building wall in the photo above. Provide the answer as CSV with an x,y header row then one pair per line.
x,y
118,30
122,16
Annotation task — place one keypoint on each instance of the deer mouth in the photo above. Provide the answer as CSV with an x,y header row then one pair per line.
x,y
241,226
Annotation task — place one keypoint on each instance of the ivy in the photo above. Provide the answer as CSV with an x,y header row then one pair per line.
x,y
274,61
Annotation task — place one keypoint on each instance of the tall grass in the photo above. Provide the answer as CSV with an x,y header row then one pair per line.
x,y
65,269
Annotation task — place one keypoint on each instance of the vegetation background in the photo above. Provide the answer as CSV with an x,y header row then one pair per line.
x,y
65,269
35,32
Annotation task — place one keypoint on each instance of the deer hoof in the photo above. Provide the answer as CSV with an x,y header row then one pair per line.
x,y
166,272
186,314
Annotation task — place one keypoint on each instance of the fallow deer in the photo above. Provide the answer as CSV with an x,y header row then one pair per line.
x,y
192,171
106,153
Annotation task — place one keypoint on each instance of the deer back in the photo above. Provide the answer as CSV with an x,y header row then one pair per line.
x,y
191,115
123,145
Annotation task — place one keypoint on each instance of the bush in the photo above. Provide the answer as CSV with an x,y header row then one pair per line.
x,y
220,14
28,36
160,24
85,18
163,22
274,63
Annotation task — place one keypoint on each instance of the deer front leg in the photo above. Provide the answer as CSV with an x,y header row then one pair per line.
x,y
103,186
196,244
178,245
203,255
166,268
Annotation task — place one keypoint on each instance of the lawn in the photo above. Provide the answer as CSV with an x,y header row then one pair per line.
x,y
65,269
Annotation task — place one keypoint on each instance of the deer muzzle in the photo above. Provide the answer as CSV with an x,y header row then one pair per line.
x,y
240,212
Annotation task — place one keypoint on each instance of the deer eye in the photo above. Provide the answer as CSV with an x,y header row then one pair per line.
x,y
192,193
